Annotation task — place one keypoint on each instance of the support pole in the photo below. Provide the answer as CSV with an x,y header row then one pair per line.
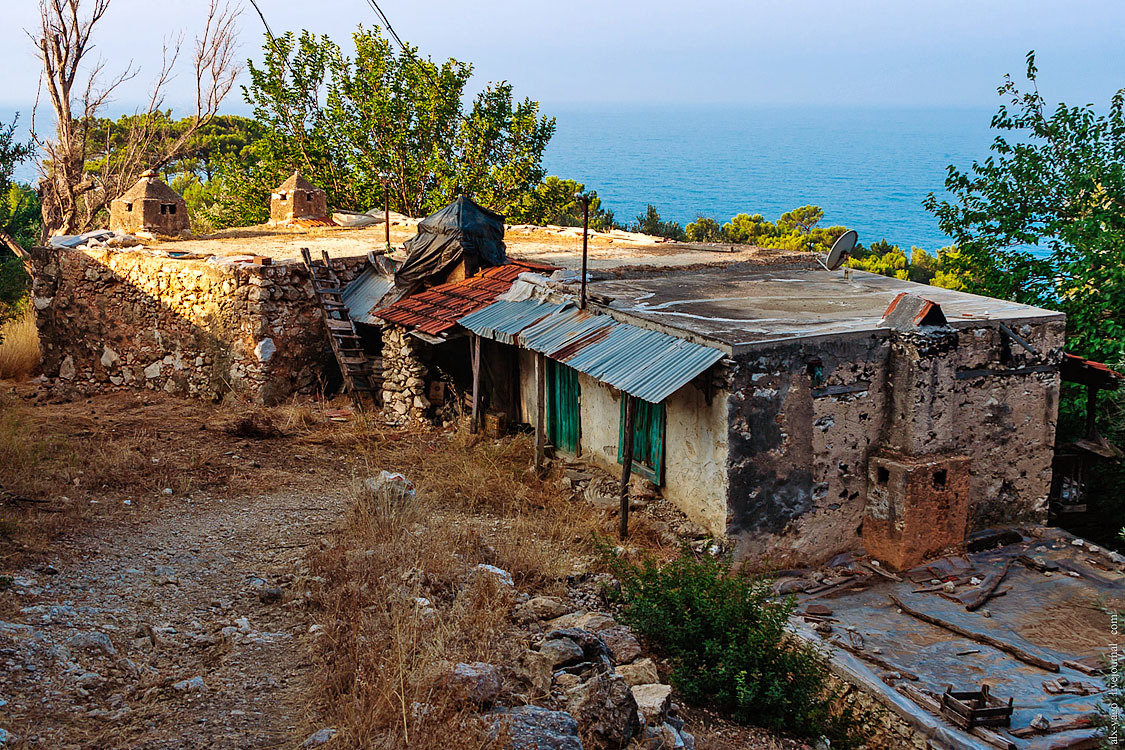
x,y
541,414
387,214
475,344
585,232
627,460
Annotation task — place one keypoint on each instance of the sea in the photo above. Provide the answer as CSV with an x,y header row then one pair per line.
x,y
869,168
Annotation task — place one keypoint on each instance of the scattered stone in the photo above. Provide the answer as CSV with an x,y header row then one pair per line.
x,y
535,728
192,685
622,644
477,683
561,652
93,641
540,608
820,610
319,737
640,672
243,625
270,595
606,712
653,701
503,577
536,670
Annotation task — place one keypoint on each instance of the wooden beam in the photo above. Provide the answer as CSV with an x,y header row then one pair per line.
x,y
627,459
474,342
541,414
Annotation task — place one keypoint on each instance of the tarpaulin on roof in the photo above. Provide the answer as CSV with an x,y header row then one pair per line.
x,y
460,230
650,365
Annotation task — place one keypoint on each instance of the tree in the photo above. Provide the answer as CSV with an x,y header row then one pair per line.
x,y
346,123
18,221
704,229
802,219
81,176
650,223
1058,182
552,202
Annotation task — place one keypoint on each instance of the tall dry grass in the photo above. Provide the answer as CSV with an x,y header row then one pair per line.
x,y
19,347
400,596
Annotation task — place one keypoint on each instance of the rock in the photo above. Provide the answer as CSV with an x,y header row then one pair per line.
x,y
561,652
536,670
565,681
640,672
243,625
265,350
89,681
535,728
319,737
270,595
93,641
622,643
540,608
110,358
477,683
653,701
67,370
193,685
503,577
153,371
662,737
606,712
593,647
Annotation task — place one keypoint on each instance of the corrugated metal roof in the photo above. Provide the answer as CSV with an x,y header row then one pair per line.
x,y
364,293
650,365
437,309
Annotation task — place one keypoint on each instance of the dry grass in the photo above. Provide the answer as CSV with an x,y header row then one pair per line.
x,y
19,347
401,600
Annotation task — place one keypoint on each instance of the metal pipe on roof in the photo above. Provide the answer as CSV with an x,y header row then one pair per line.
x,y
584,199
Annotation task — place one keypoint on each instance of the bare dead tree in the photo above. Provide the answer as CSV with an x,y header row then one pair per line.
x,y
80,177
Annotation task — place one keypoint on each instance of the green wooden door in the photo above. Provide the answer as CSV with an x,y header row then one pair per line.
x,y
563,414
648,440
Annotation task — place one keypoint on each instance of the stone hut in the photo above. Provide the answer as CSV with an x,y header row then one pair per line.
x,y
297,198
149,206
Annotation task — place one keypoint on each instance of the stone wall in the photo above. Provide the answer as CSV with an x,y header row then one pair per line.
x,y
807,415
405,383
132,319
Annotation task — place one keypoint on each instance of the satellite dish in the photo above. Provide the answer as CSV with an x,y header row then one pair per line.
x,y
841,248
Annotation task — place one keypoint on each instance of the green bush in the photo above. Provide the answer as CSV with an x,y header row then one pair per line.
x,y
725,634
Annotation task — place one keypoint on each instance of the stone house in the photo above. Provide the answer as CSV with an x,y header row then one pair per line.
x,y
297,198
149,207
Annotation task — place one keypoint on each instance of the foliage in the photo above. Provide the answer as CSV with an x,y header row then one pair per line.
x,y
345,123
704,229
650,223
19,210
890,260
552,202
1056,179
725,634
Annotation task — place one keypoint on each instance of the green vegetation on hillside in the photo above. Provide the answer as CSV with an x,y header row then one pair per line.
x,y
19,220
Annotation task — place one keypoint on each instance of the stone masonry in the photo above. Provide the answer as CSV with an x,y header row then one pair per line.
x,y
132,319
404,376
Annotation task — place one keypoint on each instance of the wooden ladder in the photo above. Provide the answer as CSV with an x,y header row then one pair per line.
x,y
355,367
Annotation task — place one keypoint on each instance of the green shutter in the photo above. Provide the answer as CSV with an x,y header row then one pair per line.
x,y
563,409
648,439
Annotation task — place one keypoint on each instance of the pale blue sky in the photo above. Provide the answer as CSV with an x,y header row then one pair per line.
x,y
869,53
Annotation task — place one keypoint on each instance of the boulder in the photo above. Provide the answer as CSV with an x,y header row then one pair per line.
x,y
476,683
640,672
606,712
540,608
535,669
653,701
622,643
535,728
561,652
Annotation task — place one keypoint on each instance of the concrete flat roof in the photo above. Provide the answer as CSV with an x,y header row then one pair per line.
x,y
745,306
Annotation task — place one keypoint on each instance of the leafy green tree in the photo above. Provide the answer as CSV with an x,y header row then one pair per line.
x,y
802,219
1058,182
704,229
552,202
650,223
19,220
346,122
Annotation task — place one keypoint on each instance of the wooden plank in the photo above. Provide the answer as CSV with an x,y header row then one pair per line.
x,y
541,413
475,354
1016,651
987,588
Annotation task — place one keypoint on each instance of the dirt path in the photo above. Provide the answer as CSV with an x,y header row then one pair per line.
x,y
168,632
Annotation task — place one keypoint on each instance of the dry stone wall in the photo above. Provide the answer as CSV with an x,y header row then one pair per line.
x,y
405,376
133,319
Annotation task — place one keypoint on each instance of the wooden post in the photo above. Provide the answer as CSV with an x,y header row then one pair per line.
x,y
627,459
541,414
475,344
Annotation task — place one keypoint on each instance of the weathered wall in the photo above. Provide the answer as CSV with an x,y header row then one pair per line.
x,y
800,436
131,319
405,376
695,456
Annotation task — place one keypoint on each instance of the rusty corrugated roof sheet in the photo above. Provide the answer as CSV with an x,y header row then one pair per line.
x,y
650,365
437,309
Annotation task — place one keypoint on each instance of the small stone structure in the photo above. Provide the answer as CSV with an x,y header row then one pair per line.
x,y
150,207
131,319
405,384
297,198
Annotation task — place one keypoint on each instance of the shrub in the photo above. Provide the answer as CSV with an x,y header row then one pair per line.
x,y
726,636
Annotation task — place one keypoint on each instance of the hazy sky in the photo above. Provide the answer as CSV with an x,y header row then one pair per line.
x,y
868,53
